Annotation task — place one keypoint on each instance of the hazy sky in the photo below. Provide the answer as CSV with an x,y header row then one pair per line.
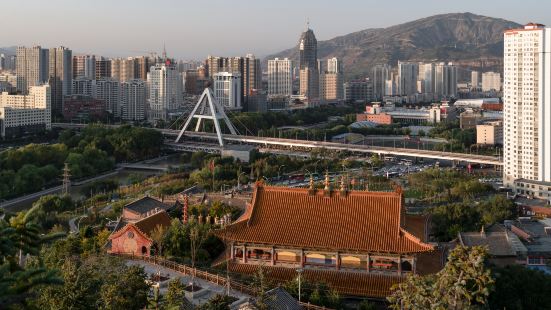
x,y
194,29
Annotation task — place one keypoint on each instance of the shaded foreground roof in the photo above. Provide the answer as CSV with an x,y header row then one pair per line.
x,y
144,205
497,239
355,221
146,225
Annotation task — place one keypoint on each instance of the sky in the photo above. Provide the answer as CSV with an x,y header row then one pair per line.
x,y
193,29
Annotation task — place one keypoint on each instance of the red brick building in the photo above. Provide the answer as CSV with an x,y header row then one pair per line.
x,y
358,242
382,118
83,108
134,238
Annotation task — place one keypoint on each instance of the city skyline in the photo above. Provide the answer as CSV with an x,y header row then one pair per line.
x,y
185,34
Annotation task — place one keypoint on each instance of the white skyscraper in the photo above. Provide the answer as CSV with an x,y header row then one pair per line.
x,y
475,79
491,81
133,100
426,78
165,90
445,80
227,90
527,110
280,77
380,75
408,73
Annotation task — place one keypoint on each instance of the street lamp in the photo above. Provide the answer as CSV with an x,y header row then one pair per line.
x,y
238,178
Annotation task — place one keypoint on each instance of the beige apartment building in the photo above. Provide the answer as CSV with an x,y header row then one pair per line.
x,y
490,133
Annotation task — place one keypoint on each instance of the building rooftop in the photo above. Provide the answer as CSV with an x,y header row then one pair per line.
x,y
145,225
499,241
145,205
342,221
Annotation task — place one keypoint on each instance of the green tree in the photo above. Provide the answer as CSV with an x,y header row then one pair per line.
x,y
175,295
520,288
464,283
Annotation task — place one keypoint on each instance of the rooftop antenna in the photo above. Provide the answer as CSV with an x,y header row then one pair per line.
x,y
164,52
307,23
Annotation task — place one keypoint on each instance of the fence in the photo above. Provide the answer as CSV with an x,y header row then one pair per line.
x,y
204,275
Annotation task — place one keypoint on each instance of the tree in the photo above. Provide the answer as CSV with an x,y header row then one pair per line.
x,y
464,283
175,295
518,287
129,291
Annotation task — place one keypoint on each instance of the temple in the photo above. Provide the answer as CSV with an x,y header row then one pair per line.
x,y
358,242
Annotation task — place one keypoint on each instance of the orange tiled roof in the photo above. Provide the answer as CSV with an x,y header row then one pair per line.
x,y
358,221
347,283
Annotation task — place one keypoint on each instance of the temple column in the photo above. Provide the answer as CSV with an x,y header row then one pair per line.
x,y
338,261
232,254
414,265
273,256
368,263
400,265
301,258
244,254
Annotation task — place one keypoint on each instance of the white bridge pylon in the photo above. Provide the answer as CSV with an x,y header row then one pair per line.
x,y
207,108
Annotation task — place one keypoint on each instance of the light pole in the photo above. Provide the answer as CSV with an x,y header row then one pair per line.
x,y
299,271
278,172
238,183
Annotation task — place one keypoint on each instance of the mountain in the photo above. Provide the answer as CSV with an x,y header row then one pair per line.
x,y
468,39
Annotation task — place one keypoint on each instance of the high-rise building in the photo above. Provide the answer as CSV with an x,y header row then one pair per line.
x,y
445,80
408,73
2,62
109,91
280,77
380,75
227,90
165,90
491,81
475,79
123,69
332,80
24,114
60,76
84,66
215,64
527,110
252,76
103,68
31,67
308,65
426,78
133,100
142,65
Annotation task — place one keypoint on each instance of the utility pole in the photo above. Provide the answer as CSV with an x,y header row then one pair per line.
x,y
66,180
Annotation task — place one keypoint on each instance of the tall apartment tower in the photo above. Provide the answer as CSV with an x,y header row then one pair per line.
x,y
408,73
475,79
252,76
308,65
109,91
380,75
165,90
133,100
426,78
491,81
103,68
84,66
527,110
123,69
445,80
332,80
60,76
227,90
280,77
31,67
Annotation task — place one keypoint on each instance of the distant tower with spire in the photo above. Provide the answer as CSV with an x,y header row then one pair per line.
x,y
308,63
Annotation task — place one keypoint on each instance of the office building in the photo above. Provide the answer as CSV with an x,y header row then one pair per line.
x,y
133,100
165,90
60,76
490,133
475,80
527,110
84,66
103,68
280,77
308,65
491,81
358,91
31,67
108,90
25,114
408,73
227,90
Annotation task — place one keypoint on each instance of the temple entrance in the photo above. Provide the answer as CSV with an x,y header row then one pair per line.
x,y
406,266
144,250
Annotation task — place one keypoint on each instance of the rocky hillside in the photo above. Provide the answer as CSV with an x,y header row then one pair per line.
x,y
466,38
